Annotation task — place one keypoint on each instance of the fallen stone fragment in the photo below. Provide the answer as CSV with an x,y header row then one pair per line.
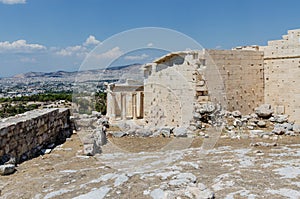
x,y
264,144
192,128
280,118
7,169
208,107
253,115
119,134
296,128
143,133
261,124
165,131
256,132
91,149
287,126
279,130
8,159
264,111
201,193
180,132
182,179
100,137
96,114
197,116
202,134
46,151
237,123
198,124
244,119
236,114
266,136
250,127
290,133
206,194
103,121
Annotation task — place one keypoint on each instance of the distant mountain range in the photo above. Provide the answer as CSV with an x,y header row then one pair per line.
x,y
85,81
64,74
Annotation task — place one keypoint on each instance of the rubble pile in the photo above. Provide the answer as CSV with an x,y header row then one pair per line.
x,y
94,128
262,123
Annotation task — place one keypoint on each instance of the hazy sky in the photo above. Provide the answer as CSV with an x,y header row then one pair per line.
x,y
50,35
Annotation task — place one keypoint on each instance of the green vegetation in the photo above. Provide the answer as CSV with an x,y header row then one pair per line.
x,y
42,97
17,105
8,110
101,102
86,104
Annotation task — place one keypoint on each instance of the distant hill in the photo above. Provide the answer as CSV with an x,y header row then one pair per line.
x,y
123,67
65,74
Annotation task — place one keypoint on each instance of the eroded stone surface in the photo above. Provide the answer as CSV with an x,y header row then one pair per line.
x,y
7,169
231,169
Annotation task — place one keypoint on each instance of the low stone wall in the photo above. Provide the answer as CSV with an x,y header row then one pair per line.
x,y
23,136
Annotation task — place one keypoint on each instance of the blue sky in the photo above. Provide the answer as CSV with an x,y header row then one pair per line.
x,y
50,35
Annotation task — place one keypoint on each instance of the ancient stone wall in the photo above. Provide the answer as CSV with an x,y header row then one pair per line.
x,y
250,76
177,82
23,136
169,90
243,77
282,74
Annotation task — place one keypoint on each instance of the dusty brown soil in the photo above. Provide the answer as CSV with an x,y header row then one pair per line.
x,y
65,173
135,145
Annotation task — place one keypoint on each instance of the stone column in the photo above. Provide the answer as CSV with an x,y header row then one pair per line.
x,y
111,102
123,106
112,106
134,107
141,111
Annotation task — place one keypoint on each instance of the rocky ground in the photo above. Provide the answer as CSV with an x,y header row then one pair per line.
x,y
162,168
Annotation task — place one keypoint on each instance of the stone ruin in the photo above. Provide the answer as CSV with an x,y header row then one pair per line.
x,y
31,134
183,93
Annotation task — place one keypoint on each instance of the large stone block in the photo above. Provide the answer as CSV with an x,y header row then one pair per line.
x,y
7,169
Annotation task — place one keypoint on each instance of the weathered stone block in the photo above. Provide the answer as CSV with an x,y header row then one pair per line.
x,y
180,132
22,134
264,111
7,169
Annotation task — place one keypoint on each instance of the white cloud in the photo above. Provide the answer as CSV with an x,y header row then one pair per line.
x,y
20,46
150,44
11,2
136,57
78,50
91,40
73,50
110,54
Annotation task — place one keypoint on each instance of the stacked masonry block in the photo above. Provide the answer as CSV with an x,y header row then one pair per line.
x,y
243,77
27,133
282,74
